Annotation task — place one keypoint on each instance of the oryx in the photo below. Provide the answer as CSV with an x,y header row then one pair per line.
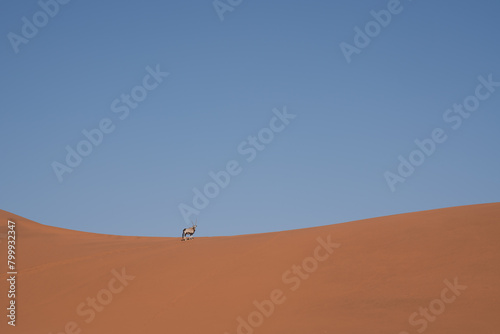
x,y
189,231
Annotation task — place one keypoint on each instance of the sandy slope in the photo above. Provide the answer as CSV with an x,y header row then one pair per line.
x,y
379,272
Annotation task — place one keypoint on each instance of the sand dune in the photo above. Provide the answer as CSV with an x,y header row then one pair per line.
x,y
440,268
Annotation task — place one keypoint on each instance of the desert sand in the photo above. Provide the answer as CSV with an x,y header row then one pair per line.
x,y
434,271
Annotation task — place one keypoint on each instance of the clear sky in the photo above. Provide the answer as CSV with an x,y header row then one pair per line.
x,y
351,108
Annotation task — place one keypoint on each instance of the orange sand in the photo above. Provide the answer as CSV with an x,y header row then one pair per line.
x,y
378,274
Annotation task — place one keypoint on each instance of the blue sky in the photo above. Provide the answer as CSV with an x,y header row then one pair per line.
x,y
327,165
